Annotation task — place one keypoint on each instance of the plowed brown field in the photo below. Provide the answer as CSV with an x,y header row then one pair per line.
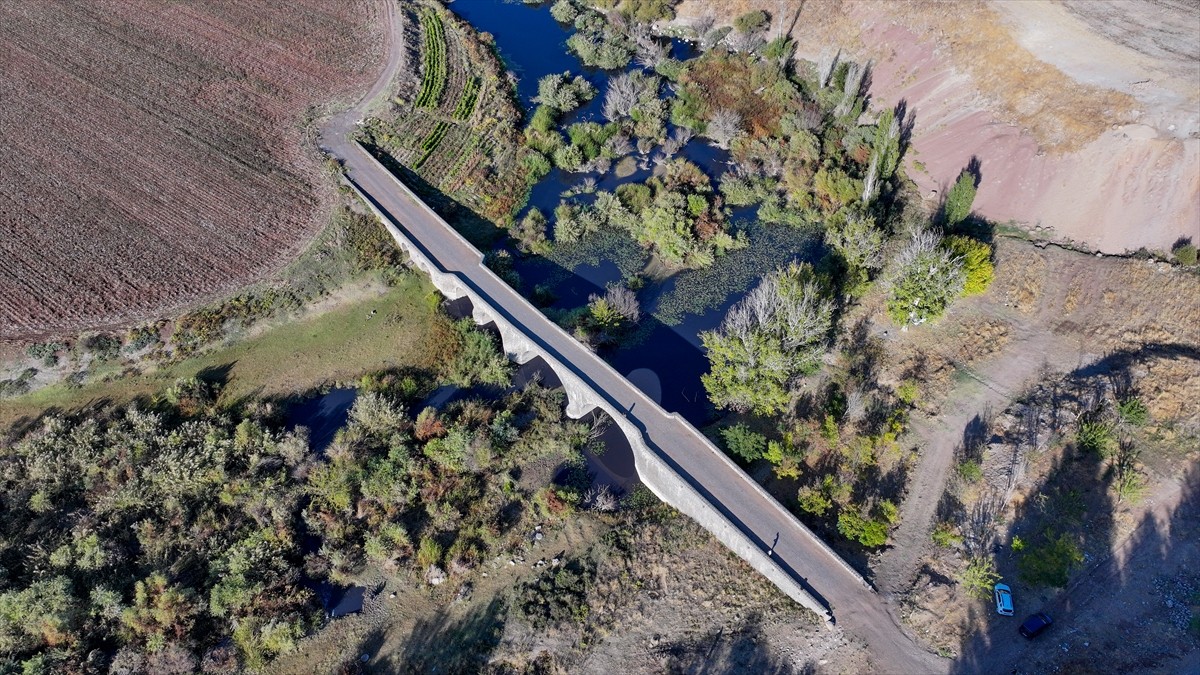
x,y
154,154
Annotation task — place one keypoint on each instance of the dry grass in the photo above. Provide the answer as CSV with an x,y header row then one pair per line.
x,y
338,344
1062,114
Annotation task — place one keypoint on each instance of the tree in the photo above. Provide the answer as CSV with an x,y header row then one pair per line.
x,y
44,613
979,577
621,96
976,259
564,11
751,22
959,199
563,93
723,127
926,280
886,147
860,245
744,443
870,532
768,339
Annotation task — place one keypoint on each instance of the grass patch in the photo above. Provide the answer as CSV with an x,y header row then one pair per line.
x,y
380,331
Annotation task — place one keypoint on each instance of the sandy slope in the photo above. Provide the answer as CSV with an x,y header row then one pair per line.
x,y
1084,116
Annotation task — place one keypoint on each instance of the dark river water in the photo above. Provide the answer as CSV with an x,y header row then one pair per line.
x,y
664,356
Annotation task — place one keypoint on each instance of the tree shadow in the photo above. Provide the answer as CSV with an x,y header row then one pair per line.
x,y
743,650
216,376
444,644
1097,595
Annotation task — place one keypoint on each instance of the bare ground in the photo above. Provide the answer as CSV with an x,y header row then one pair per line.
x,y
1048,309
682,604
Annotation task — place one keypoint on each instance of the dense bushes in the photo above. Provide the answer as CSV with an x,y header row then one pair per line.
x,y
562,93
597,42
751,21
557,595
164,528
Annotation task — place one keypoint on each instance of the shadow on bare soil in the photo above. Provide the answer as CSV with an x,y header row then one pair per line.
x,y
443,644
745,650
1063,536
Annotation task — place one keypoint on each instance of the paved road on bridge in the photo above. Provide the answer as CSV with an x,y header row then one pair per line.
x,y
798,552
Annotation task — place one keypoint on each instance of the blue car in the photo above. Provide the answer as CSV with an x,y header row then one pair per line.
x,y
1004,601
1035,624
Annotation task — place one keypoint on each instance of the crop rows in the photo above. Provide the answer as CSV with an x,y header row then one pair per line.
x,y
466,104
445,139
430,144
456,143
434,78
153,154
466,153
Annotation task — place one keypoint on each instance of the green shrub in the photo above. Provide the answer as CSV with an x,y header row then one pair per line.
x,y
751,21
479,360
870,532
648,11
970,471
908,392
1133,411
568,157
670,68
1050,563
977,263
1094,435
102,347
557,596
429,552
814,501
979,577
946,535
544,117
744,443
1185,254
537,166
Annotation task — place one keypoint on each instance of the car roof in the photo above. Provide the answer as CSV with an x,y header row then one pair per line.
x,y
1038,619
